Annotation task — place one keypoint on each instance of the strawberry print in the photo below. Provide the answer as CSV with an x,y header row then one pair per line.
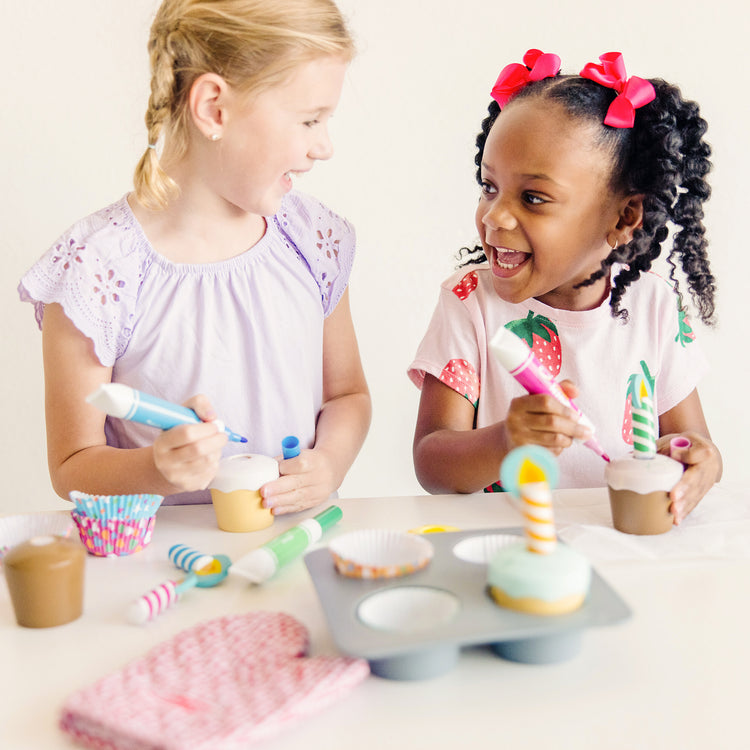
x,y
627,420
684,332
459,375
494,487
466,286
540,333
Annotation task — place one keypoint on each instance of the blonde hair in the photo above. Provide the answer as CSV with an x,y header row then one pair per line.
x,y
252,44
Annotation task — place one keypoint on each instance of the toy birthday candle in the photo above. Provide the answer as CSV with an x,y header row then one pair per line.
x,y
529,473
644,423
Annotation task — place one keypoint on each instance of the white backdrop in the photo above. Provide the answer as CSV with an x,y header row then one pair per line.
x,y
74,91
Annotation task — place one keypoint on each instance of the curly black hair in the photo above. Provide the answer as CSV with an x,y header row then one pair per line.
x,y
663,157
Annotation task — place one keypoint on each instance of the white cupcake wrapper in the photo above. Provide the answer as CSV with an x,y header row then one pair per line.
x,y
380,553
15,530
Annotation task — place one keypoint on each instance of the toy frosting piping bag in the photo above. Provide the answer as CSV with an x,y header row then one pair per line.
x,y
516,357
260,564
122,401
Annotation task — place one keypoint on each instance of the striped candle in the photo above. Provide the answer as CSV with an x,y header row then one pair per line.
x,y
536,508
644,423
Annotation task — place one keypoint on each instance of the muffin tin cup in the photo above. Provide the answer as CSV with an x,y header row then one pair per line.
x,y
417,665
549,649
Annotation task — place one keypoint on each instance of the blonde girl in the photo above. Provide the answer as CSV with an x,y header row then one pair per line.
x,y
214,283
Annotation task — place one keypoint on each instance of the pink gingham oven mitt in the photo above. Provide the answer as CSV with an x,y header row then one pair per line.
x,y
221,685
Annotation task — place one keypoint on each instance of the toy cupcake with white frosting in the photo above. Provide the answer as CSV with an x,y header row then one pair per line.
x,y
235,492
639,484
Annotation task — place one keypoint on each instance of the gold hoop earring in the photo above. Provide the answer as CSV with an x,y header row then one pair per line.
x,y
614,243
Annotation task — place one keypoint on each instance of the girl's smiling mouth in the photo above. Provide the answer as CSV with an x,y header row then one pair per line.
x,y
505,263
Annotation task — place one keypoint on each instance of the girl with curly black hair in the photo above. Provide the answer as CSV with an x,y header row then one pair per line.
x,y
583,179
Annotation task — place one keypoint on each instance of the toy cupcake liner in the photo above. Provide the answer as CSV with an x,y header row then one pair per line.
x,y
480,549
132,507
380,553
17,529
114,536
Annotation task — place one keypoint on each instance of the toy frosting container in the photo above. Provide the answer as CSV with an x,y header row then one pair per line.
x,y
235,492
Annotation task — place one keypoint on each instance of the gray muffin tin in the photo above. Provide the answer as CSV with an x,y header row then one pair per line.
x,y
413,627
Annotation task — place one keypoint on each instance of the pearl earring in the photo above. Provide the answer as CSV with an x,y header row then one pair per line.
x,y
215,136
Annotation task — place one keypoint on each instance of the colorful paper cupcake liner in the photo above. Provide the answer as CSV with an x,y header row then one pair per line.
x,y
132,507
114,536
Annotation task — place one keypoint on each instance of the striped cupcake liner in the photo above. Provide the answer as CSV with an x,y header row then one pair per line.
x,y
106,507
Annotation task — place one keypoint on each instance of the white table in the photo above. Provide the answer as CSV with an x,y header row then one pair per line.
x,y
675,675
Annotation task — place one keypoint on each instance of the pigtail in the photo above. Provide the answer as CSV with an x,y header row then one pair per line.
x,y
664,157
153,186
667,160
476,255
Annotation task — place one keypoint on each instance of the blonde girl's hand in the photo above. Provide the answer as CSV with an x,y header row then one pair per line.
x,y
188,456
541,419
703,465
304,482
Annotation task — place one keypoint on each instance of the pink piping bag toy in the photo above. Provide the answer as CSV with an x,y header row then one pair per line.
x,y
516,357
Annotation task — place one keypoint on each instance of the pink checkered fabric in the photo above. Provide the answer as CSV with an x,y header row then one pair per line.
x,y
221,685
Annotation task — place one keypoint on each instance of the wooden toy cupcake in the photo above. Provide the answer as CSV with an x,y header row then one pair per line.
x,y
639,484
538,576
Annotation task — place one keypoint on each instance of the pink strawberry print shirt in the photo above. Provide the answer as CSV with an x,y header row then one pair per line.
x,y
594,350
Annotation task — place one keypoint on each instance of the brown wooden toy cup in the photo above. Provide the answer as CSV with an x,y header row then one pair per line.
x,y
235,495
45,581
639,493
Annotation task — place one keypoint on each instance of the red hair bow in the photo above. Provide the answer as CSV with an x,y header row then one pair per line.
x,y
513,77
632,92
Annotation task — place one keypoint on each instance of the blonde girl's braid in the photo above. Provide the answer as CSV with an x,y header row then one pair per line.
x,y
153,186
252,44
